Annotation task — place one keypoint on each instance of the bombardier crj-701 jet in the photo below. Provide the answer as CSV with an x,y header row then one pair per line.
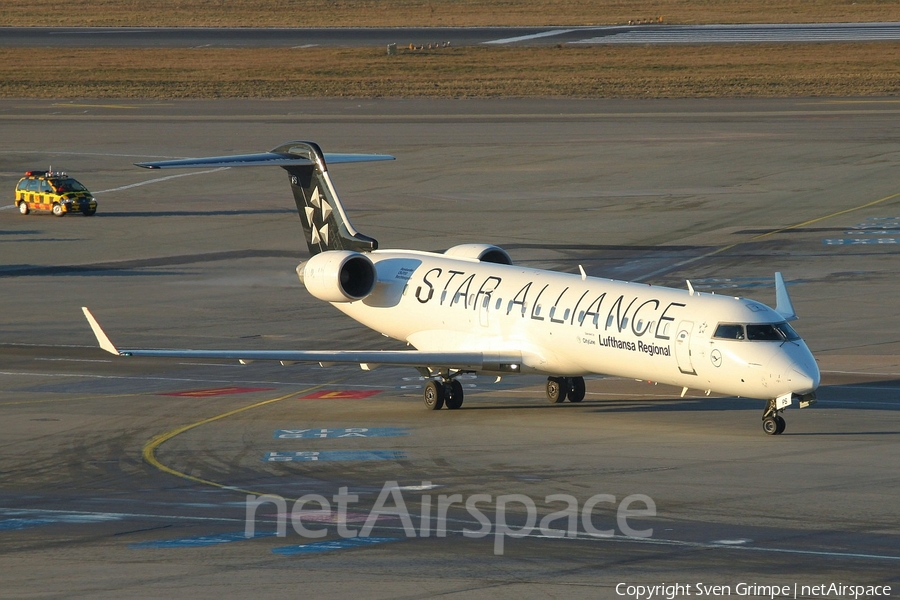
x,y
471,310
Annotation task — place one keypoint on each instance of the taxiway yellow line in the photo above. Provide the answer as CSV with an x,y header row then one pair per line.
x,y
150,448
767,234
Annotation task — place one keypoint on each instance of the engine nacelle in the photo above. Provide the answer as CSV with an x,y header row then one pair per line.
x,y
338,276
483,252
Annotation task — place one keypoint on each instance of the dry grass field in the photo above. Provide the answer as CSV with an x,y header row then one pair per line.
x,y
629,72
431,13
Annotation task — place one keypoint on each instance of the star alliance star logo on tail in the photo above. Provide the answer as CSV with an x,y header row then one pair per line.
x,y
319,231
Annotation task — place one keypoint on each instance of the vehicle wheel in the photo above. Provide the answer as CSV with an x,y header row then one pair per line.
x,y
58,210
434,395
576,389
455,397
557,388
770,426
779,420
23,207
88,212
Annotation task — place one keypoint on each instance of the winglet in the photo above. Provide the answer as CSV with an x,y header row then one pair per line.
x,y
783,304
102,338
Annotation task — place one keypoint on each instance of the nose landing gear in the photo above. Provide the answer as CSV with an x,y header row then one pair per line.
x,y
773,422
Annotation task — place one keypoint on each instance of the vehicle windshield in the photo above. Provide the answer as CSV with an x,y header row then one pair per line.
x,y
774,332
67,185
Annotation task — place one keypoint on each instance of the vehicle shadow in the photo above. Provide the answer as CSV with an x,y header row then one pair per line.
x,y
192,213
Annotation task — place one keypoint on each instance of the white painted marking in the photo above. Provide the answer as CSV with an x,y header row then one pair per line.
x,y
736,542
534,36
149,181
111,516
55,152
303,46
7,207
74,360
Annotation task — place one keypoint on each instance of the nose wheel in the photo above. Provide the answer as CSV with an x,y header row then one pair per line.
x,y
773,422
774,425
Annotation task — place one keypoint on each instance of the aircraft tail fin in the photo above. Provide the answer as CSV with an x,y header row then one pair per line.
x,y
325,223
783,304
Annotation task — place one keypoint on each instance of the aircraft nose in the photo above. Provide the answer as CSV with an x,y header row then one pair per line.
x,y
804,376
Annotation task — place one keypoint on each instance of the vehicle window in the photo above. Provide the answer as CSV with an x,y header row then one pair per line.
x,y
70,185
729,332
23,185
764,333
787,331
46,188
33,185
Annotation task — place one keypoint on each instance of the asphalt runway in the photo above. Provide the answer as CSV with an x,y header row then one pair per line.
x,y
130,477
252,37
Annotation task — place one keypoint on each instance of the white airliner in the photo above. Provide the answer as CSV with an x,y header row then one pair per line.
x,y
471,310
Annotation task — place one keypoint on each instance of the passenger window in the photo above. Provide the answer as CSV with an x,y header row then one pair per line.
x,y
45,188
729,332
32,185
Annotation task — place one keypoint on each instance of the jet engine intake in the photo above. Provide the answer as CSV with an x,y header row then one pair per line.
x,y
338,276
483,252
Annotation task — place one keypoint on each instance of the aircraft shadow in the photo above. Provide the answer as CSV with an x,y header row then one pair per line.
x,y
627,406
130,267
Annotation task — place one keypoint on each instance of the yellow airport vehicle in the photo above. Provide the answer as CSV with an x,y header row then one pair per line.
x,y
54,192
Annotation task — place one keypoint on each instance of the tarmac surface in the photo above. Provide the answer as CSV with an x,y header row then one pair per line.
x,y
130,477
299,38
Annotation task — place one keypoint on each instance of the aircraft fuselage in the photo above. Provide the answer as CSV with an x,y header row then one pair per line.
x,y
569,325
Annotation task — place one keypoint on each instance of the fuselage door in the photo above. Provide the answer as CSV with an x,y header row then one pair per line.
x,y
484,307
683,348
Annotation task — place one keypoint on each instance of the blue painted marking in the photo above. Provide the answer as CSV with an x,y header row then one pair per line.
x,y
349,432
873,232
325,455
860,241
17,524
330,545
197,542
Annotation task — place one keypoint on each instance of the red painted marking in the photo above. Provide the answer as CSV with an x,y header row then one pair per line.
x,y
340,395
217,392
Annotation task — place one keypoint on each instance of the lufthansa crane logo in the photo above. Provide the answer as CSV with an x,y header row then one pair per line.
x,y
716,357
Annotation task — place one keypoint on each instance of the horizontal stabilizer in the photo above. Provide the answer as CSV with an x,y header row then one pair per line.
x,y
783,304
263,159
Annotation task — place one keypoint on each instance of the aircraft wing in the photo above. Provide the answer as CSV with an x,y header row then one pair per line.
x,y
465,361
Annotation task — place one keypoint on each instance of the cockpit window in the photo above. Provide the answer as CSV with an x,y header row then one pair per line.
x,y
787,331
763,333
779,332
729,332
776,332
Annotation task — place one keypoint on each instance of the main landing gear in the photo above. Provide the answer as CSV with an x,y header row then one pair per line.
x,y
438,393
560,388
